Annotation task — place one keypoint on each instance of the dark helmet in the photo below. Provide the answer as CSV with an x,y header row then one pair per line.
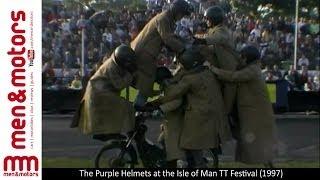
x,y
215,14
162,74
181,6
191,58
251,53
125,57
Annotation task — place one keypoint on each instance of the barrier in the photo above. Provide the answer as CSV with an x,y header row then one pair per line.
x,y
292,101
61,100
283,100
280,102
303,101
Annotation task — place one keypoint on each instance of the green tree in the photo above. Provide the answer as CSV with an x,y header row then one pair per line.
x,y
279,7
117,5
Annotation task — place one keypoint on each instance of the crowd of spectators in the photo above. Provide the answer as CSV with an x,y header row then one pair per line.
x,y
62,33
62,41
275,39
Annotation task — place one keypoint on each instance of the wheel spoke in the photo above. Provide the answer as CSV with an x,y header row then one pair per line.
x,y
111,157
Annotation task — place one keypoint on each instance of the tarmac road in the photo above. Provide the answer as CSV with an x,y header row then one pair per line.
x,y
298,138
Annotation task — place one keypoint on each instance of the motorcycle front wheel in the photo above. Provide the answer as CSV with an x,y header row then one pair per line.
x,y
115,155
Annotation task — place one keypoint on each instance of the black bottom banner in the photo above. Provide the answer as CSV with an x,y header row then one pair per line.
x,y
291,173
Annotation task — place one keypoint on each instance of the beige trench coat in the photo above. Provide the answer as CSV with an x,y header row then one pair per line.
x,y
147,45
219,52
174,114
199,129
103,111
222,55
257,139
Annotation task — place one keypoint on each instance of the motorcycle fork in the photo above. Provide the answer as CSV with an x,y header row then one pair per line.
x,y
126,147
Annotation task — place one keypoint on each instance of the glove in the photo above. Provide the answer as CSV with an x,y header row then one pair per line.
x,y
147,108
140,108
150,107
198,41
154,103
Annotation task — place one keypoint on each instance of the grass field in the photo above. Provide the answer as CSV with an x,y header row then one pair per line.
x,y
272,92
86,163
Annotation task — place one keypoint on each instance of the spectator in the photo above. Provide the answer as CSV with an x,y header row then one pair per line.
x,y
82,22
64,75
250,25
303,61
303,26
69,60
54,25
314,27
265,72
276,72
303,77
266,35
292,78
115,37
316,81
280,25
252,40
48,74
256,33
73,24
120,32
48,70
289,44
263,48
309,85
76,83
289,39
274,47
107,38
271,77
65,26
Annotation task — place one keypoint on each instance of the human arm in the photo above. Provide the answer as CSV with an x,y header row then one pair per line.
x,y
246,74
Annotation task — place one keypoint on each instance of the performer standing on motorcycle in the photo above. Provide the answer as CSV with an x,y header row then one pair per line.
x,y
157,32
